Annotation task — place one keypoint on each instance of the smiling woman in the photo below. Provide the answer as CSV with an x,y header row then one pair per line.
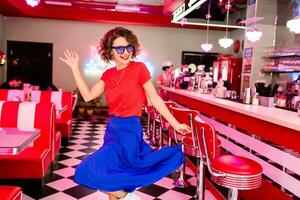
x,y
125,161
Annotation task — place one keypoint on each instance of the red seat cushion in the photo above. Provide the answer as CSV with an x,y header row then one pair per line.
x,y
10,193
236,165
33,162
64,126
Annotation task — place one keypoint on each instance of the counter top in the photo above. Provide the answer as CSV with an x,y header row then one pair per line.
x,y
277,116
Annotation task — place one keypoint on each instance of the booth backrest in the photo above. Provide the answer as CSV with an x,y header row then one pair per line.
x,y
3,94
30,115
59,98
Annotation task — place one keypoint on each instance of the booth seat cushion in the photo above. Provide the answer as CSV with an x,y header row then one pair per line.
x,y
31,163
64,126
236,165
10,193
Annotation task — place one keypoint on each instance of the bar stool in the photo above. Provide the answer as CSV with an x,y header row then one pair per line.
x,y
188,142
164,124
230,171
152,117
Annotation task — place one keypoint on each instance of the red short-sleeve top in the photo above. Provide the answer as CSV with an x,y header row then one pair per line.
x,y
124,90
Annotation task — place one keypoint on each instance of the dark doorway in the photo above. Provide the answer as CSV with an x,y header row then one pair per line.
x,y
32,61
199,58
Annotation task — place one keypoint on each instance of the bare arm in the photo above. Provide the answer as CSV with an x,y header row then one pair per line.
x,y
160,106
72,60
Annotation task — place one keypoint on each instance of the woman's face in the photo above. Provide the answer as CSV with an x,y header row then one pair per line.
x,y
170,69
121,51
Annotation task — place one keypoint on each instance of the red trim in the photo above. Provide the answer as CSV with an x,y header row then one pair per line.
x,y
171,5
18,8
265,191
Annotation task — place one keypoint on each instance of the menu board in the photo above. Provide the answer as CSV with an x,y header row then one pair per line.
x,y
247,60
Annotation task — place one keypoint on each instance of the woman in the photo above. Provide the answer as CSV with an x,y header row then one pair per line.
x,y
125,161
165,79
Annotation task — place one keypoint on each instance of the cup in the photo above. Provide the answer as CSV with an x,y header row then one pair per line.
x,y
233,94
247,96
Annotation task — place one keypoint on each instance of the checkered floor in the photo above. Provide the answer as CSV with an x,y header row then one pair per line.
x,y
87,137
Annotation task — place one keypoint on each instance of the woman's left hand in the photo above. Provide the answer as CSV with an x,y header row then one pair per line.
x,y
183,129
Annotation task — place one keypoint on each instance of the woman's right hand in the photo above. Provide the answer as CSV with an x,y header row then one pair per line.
x,y
182,129
71,58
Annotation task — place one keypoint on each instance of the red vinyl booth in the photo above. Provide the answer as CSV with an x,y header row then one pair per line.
x,y
64,123
34,161
10,193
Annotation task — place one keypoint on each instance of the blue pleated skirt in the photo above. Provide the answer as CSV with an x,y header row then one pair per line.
x,y
126,161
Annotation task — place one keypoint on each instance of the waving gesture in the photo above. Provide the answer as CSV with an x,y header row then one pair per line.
x,y
71,58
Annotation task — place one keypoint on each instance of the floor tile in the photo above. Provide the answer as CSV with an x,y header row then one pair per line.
x,y
65,172
62,184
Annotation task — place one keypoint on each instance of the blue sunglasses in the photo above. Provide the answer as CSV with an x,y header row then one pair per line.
x,y
121,49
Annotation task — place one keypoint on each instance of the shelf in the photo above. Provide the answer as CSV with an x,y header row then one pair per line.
x,y
281,71
286,55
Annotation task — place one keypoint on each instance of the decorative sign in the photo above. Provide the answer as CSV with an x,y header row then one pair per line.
x,y
185,8
247,60
251,2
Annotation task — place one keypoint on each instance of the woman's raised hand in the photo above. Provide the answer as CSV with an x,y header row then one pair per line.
x,y
183,129
71,58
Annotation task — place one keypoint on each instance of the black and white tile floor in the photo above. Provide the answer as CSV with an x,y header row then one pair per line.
x,y
87,137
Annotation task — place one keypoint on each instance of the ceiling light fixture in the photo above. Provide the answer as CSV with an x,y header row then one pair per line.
x,y
32,3
226,42
207,46
253,35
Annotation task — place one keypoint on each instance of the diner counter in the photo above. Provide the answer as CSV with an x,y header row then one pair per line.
x,y
270,136
274,115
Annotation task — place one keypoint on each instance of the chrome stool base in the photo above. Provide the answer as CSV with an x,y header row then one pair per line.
x,y
181,183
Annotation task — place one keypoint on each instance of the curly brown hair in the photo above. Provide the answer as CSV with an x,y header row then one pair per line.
x,y
105,46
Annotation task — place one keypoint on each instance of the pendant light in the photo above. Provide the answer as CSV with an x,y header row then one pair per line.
x,y
294,25
254,35
226,42
207,46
